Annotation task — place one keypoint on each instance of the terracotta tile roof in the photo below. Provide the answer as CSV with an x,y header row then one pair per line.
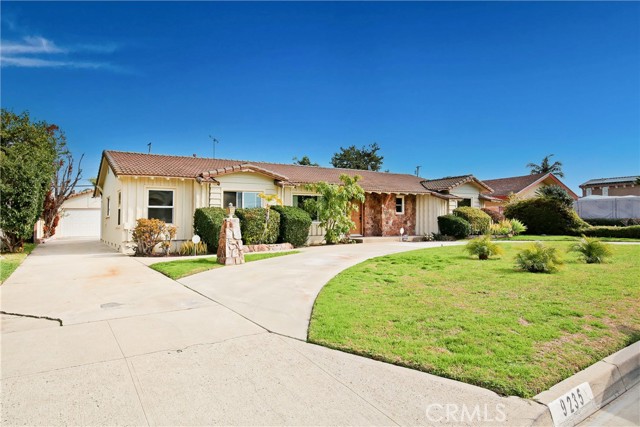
x,y
450,182
502,187
141,164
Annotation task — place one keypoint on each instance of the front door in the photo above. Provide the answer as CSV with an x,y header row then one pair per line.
x,y
356,217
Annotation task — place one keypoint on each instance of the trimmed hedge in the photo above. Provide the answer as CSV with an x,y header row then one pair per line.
x,y
631,232
495,215
546,216
252,226
614,222
207,223
294,225
451,225
479,221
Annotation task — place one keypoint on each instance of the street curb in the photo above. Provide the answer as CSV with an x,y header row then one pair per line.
x,y
608,378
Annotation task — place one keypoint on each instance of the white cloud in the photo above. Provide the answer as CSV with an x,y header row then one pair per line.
x,y
29,62
39,52
30,45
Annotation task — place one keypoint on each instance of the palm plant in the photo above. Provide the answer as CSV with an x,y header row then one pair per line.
x,y
538,258
591,250
547,167
483,247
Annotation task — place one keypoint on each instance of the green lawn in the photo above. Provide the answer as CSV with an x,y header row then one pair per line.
x,y
187,267
483,322
9,262
525,237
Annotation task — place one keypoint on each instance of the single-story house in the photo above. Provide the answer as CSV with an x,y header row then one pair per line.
x,y
467,189
171,188
620,186
79,216
523,187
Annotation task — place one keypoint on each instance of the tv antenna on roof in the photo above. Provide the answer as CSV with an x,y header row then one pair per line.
x,y
149,145
215,142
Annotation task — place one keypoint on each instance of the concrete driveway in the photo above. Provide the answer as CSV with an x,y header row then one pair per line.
x,y
137,348
278,293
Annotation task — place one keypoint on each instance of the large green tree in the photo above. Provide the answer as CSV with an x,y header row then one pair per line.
x,y
546,166
364,158
28,151
335,205
304,161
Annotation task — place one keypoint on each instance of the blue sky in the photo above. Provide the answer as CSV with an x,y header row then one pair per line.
x,y
456,88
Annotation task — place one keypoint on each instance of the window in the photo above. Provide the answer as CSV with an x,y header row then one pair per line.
x,y
605,191
400,205
298,201
108,207
119,207
464,202
160,205
241,199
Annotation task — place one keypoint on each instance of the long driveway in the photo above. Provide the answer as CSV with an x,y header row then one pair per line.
x,y
137,348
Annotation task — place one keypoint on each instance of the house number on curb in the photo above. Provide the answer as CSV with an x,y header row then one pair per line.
x,y
569,404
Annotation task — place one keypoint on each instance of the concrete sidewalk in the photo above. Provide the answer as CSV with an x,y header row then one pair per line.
x,y
168,356
278,294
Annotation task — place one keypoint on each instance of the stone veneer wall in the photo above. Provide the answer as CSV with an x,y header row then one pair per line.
x,y
373,214
380,218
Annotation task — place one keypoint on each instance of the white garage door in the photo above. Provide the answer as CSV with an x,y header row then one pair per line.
x,y
79,222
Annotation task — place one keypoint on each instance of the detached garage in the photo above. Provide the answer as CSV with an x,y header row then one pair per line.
x,y
80,216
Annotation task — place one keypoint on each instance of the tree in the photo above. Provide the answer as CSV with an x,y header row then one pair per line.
x,y
304,161
62,186
545,167
335,205
27,156
557,193
358,158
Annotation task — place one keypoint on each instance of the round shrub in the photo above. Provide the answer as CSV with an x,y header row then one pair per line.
x,y
451,225
495,215
294,225
546,216
207,223
252,225
479,221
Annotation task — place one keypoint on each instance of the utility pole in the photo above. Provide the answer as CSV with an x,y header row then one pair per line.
x,y
149,145
418,170
215,142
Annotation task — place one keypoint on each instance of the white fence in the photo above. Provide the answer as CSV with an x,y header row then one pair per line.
x,y
608,207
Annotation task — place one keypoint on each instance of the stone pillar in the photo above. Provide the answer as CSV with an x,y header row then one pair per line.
x,y
230,243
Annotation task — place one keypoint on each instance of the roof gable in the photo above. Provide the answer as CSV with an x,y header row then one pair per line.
x,y
450,182
503,187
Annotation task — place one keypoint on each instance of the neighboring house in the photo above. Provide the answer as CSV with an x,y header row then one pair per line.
x,y
620,186
467,189
79,217
171,188
523,187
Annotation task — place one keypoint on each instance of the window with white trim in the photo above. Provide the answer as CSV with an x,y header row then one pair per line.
x,y
108,207
400,205
242,199
160,205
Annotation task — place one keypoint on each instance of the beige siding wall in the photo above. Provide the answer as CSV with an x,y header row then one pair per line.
x,y
468,191
110,232
242,181
428,209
